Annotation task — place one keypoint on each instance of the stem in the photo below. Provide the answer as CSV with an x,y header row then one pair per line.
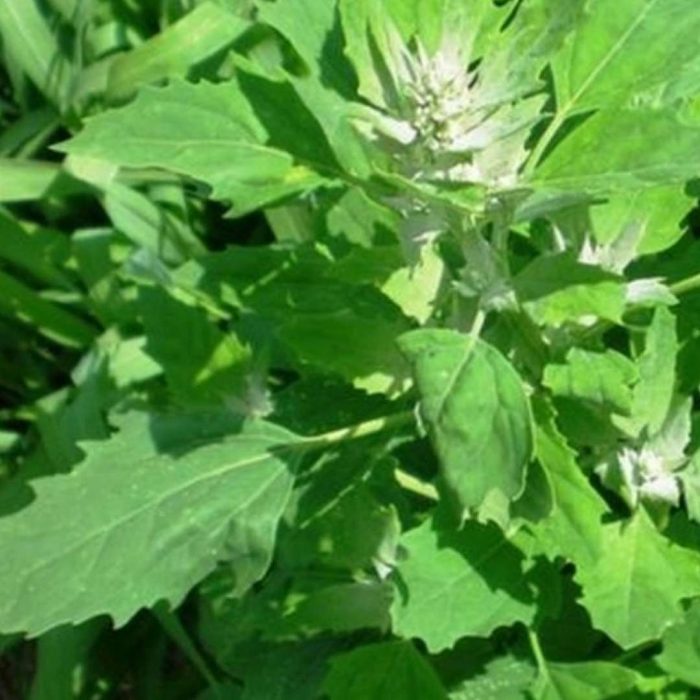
x,y
477,324
684,286
536,649
411,483
537,652
354,432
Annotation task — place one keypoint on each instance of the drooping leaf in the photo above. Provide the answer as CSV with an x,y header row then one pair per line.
x,y
476,411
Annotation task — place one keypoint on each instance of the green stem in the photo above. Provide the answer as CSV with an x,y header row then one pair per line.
x,y
411,483
537,652
684,286
354,432
176,631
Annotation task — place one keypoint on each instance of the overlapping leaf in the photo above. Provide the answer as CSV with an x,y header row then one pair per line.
x,y
477,414
148,514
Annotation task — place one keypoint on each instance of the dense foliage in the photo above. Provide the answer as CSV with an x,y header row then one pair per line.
x,y
349,349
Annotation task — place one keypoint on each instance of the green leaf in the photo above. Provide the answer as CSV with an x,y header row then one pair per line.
x,y
601,378
504,678
623,50
42,253
649,219
653,394
55,322
31,43
146,516
30,180
610,152
557,289
337,343
205,131
459,584
477,414
299,670
312,28
201,363
633,591
385,670
351,533
592,680
681,647
573,530
199,35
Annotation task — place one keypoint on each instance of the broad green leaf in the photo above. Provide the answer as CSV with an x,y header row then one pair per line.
x,y
199,35
317,606
415,289
557,289
205,131
384,670
601,378
633,591
592,680
573,530
299,669
316,319
201,363
353,532
146,516
312,28
459,584
477,414
647,221
609,152
504,678
338,343
621,50
681,647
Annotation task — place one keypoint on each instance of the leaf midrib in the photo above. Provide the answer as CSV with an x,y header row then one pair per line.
x,y
155,504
